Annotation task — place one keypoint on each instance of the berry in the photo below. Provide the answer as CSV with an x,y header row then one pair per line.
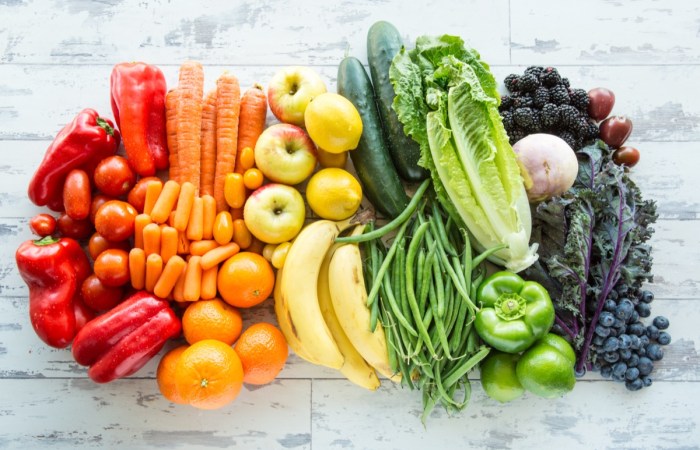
x,y
606,319
624,309
636,328
652,332
655,352
506,103
664,338
568,116
610,304
523,117
632,373
625,354
535,70
528,83
559,95
643,309
633,360
619,369
511,82
550,115
635,341
646,381
507,118
522,102
516,134
582,126
592,132
569,138
598,340
550,77
606,371
602,331
661,322
611,344
565,82
645,366
611,357
634,385
540,97
647,296
625,341
579,99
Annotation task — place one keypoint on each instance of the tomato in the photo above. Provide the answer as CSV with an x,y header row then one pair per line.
x,y
43,224
600,103
98,296
615,130
137,195
72,228
97,201
83,313
77,194
97,244
114,177
112,267
628,156
115,220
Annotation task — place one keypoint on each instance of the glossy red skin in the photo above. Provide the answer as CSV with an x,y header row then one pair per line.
x,y
137,195
114,177
628,156
98,296
76,229
112,267
43,224
97,244
97,201
615,130
77,194
115,220
600,104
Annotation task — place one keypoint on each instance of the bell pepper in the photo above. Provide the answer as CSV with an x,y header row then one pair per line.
x,y
54,270
121,341
514,313
88,139
138,103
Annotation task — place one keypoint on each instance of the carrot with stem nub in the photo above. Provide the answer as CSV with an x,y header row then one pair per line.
x,y
208,159
228,103
189,121
252,121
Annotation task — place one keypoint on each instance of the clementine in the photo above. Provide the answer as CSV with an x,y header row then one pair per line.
x,y
245,279
263,351
165,374
211,319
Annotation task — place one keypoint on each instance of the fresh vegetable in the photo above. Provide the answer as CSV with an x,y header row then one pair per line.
x,y
547,368
74,228
77,194
615,130
171,109
601,102
514,313
195,225
121,341
97,244
208,145
114,177
548,165
251,123
383,43
137,194
137,268
189,121
43,224
447,100
115,220
628,156
380,181
54,270
99,297
112,267
86,139
138,104
228,104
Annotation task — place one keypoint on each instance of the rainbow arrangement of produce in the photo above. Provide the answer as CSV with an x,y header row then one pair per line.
x,y
501,229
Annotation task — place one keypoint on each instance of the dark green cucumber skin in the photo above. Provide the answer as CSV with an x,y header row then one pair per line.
x,y
380,181
383,43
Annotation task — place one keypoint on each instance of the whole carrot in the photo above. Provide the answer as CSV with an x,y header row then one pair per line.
x,y
171,132
189,121
228,103
208,164
252,122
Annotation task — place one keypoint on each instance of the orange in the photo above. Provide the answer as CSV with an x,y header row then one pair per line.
x,y
209,374
245,279
211,319
165,375
263,352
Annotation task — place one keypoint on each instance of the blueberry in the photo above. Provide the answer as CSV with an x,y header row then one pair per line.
x,y
645,366
606,372
634,317
652,332
661,322
618,377
636,328
633,360
646,381
655,352
611,357
625,341
611,344
625,354
620,324
606,319
598,340
634,385
619,369
602,331
644,340
647,297
632,373
641,351
664,338
635,342
644,310
610,305
624,309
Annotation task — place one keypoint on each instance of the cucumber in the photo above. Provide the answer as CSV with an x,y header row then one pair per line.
x,y
380,181
383,43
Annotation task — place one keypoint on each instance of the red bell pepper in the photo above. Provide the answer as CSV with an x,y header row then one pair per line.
x,y
121,341
138,103
54,269
88,138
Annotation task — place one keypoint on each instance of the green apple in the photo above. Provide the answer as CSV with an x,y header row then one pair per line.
x,y
290,90
274,213
285,154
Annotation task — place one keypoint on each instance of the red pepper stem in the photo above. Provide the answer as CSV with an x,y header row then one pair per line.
x,y
105,126
46,240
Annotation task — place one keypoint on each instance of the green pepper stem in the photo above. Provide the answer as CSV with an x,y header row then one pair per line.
x,y
510,306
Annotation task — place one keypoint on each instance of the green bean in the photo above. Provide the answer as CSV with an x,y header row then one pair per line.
x,y
462,369
456,340
427,280
401,218
440,290
373,316
395,308
480,258
439,324
441,232
472,338
467,260
391,350
377,280
455,279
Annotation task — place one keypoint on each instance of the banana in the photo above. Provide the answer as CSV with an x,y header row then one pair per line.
x,y
349,297
299,293
355,368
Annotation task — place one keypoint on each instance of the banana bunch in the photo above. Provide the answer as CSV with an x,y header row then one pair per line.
x,y
320,303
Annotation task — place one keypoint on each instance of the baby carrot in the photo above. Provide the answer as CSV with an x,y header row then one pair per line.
x,y
183,244
171,132
189,121
200,248
208,216
154,267
151,239
228,102
208,289
153,189
140,223
218,255
241,234
137,268
168,279
234,190
193,279
179,287
208,164
166,201
168,243
184,206
195,227
252,121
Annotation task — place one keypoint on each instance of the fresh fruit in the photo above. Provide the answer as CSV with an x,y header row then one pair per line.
x,y
333,194
97,201
328,159
253,178
97,244
208,374
263,351
285,154
115,220
615,130
498,377
211,319
43,224
98,296
112,267
72,228
165,374
333,123
629,156
77,194
274,213
114,177
547,368
600,104
290,91
245,280
279,255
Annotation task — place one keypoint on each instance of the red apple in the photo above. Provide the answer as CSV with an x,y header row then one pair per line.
x,y
600,103
285,154
274,213
615,130
290,91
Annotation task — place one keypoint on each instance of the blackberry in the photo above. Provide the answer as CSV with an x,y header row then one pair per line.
x,y
579,98
522,102
592,132
524,117
507,118
568,117
516,134
506,103
535,70
528,83
565,82
580,127
550,77
511,82
540,97
569,138
550,115
559,95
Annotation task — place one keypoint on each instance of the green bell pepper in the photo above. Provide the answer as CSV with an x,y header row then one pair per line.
x,y
514,313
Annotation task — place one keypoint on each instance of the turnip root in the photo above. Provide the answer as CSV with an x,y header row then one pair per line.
x,y
548,165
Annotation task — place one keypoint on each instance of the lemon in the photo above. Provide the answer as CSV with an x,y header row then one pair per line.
x,y
328,159
333,123
333,194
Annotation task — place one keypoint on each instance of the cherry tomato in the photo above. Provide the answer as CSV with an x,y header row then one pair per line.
x,y
137,195
112,267
97,244
114,177
97,201
76,229
43,224
83,313
77,194
115,220
98,296
600,103
628,156
615,130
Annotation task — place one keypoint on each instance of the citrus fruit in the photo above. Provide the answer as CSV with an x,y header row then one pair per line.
x,y
208,374
263,352
334,194
328,159
245,279
211,319
333,123
165,375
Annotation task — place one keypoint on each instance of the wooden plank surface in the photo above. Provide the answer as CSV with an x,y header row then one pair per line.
x,y
55,58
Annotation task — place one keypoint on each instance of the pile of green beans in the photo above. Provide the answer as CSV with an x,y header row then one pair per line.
x,y
421,287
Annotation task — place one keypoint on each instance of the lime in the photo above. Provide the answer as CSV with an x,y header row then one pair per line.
x,y
333,123
333,194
